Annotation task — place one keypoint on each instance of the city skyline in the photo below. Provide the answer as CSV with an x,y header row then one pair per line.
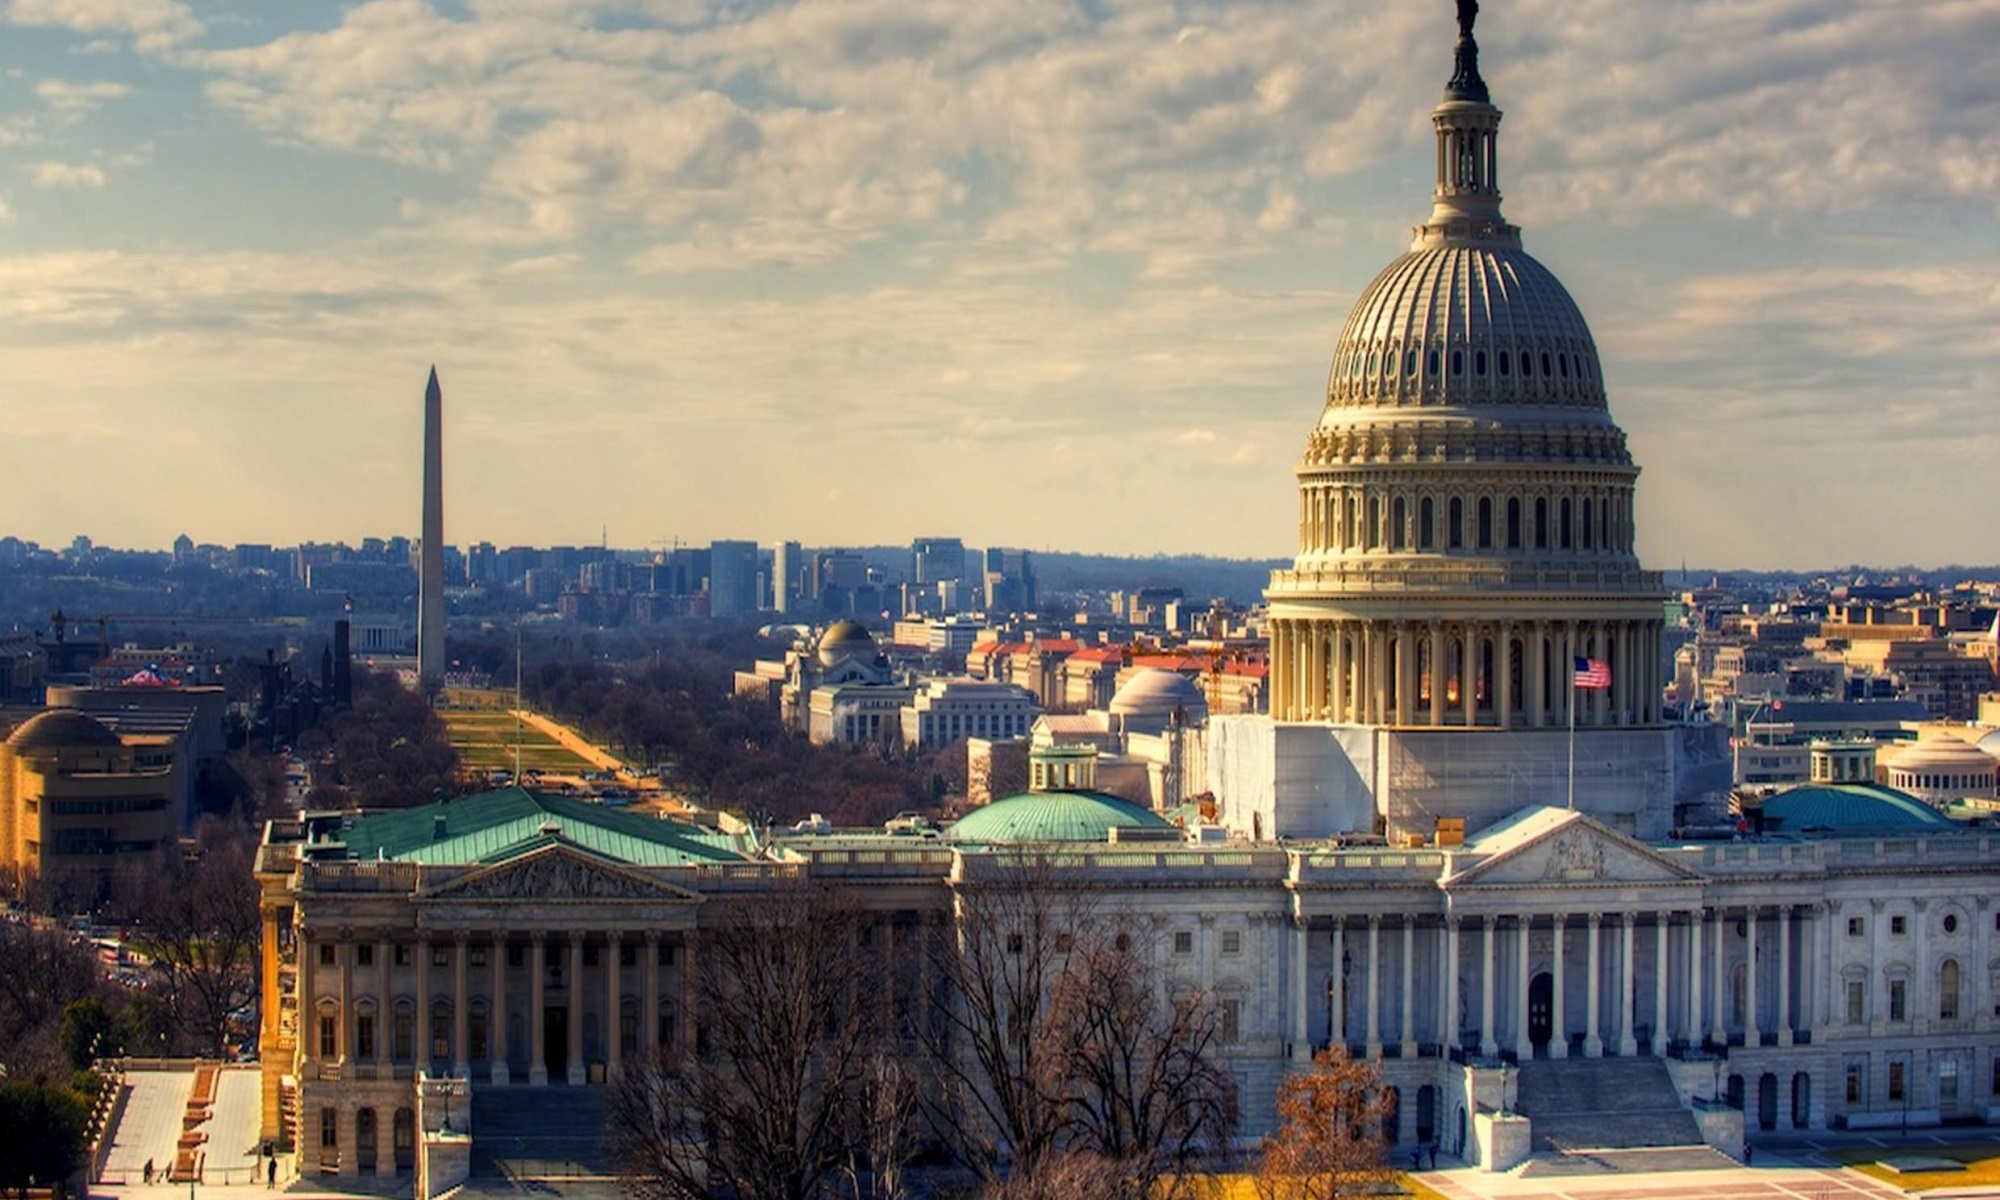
x,y
812,272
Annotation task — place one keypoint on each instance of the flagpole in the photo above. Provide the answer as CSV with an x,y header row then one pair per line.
x,y
1572,732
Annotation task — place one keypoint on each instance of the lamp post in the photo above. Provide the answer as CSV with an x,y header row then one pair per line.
x,y
1329,1011
1503,1087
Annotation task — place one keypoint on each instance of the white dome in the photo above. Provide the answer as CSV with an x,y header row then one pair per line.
x,y
1149,699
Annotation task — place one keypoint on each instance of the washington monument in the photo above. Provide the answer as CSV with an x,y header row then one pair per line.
x,y
430,582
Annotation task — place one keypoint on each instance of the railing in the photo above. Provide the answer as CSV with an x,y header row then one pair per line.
x,y
1393,577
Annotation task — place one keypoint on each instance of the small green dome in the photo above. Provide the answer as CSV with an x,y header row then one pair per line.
x,y
1054,817
1840,807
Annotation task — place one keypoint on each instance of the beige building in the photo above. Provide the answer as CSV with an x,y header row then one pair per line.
x,y
76,796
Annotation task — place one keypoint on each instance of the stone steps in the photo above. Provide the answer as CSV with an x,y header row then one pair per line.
x,y
538,1133
1604,1103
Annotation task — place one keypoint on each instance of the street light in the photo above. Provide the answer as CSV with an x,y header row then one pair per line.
x,y
1715,1088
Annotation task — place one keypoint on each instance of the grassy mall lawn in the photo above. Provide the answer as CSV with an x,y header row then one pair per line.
x,y
485,742
1981,1159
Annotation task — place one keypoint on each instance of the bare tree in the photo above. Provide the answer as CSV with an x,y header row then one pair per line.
x,y
198,921
1060,1044
887,1141
762,1102
1329,1141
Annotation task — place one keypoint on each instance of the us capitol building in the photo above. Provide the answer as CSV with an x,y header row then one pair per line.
x,y
1567,975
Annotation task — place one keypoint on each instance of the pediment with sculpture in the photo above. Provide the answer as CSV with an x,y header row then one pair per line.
x,y
559,873
1575,851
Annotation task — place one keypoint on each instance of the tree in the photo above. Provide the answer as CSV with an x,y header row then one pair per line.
x,y
41,972
762,1101
1060,1047
1329,1141
85,1031
199,923
42,1132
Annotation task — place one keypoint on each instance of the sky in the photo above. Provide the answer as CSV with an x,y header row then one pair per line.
x,y
1028,272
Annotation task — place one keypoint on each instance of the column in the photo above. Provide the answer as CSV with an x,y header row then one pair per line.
x,y
1534,652
1600,698
461,1003
1406,672
1751,1023
1717,1031
1374,985
1503,664
1593,1045
1337,676
649,1001
1662,1030
1558,1019
1488,1044
496,1005
1693,1023
1279,647
307,997
1468,682
578,1073
1378,672
1523,1048
1785,977
614,1006
385,1009
1628,1042
538,1060
1336,1010
1409,986
344,955
1450,1022
420,1033
1301,1048
1437,672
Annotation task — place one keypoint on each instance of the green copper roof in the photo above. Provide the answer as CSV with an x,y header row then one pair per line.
x,y
494,826
1054,817
1845,806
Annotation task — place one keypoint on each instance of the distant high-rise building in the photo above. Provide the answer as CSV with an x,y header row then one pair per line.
x,y
785,565
732,579
935,560
430,581
1010,581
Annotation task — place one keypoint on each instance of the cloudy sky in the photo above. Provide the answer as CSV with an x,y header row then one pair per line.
x,y
1054,273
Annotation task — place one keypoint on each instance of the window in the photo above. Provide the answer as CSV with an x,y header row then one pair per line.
x,y
1458,362
1568,542
1485,523
1398,516
516,955
664,1030
364,955
590,956
1996,1074
1456,530
1232,1020
475,1033
1898,926
329,1128
326,954
628,1030
401,1030
403,956
1013,943
1426,538
440,1033
364,1037
329,1034
1898,997
1232,941
1123,941
1856,926
1504,356
1951,922
665,955
1513,523
1545,363
1479,363
1857,993
1431,364
1948,991
440,956
1895,1081
479,956
1854,1083
1065,942
628,955
1183,942
1541,523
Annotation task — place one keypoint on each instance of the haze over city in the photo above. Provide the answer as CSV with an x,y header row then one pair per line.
x,y
848,272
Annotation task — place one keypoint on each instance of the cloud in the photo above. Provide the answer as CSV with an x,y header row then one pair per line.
x,y
66,97
68,175
154,25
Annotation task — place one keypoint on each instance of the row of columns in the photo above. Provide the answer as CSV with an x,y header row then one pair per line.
x,y
496,941
1678,975
1378,672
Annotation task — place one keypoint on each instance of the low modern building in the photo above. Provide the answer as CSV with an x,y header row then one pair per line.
x,y
75,796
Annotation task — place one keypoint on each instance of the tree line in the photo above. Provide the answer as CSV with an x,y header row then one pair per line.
x,y
1037,1041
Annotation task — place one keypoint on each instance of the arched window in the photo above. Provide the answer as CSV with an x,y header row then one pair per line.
x,y
1479,363
1398,514
1948,990
1348,526
1426,537
1567,542
1541,522
1527,364
1374,522
1587,544
1562,361
1456,531
1502,364
1410,363
1485,523
1458,362
1513,523
1431,364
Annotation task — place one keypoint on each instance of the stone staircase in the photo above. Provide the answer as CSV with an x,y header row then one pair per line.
x,y
1603,1103
544,1134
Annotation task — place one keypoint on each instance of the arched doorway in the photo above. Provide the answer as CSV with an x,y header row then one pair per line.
x,y
1458,1139
1801,1101
1767,1101
555,1040
1541,992
1427,1099
1736,1092
365,1141
404,1137
1392,1116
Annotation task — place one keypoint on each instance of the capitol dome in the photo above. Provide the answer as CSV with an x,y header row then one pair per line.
x,y
1465,499
1940,769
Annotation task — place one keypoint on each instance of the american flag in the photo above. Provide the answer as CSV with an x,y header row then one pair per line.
x,y
1593,674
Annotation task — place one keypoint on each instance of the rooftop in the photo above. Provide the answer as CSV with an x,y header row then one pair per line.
x,y
495,826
